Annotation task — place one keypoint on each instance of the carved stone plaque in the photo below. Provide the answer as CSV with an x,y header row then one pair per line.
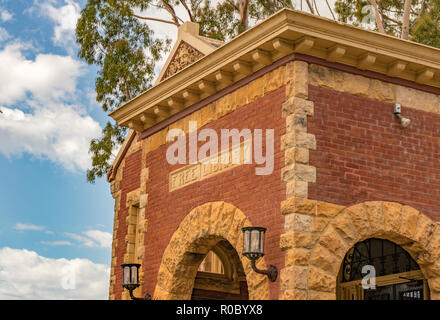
x,y
225,160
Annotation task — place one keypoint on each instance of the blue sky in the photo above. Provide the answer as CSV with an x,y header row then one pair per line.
x,y
56,229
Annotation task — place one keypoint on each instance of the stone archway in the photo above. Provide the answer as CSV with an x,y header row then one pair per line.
x,y
199,231
404,225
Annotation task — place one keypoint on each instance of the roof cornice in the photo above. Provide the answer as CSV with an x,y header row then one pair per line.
x,y
283,33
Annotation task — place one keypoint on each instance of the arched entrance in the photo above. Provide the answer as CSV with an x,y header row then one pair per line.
x,y
214,226
378,269
220,276
403,225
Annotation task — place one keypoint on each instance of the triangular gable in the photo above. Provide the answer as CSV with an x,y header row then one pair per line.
x,y
189,48
183,57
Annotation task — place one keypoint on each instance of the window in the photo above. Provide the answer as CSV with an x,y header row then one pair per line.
x,y
397,275
386,257
212,263
220,275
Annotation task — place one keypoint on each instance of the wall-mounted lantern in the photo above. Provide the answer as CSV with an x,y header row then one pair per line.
x,y
130,279
253,249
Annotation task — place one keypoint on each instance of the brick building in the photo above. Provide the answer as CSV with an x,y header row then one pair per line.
x,y
351,183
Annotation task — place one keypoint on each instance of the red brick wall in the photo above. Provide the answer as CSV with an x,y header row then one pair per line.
x,y
258,197
363,154
130,181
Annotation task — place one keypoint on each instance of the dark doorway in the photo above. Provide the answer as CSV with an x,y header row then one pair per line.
x,y
220,275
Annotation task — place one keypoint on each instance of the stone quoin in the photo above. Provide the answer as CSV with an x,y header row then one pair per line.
x,y
349,185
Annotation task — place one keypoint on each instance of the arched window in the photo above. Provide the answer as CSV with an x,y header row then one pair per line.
x,y
378,269
220,275
212,264
386,257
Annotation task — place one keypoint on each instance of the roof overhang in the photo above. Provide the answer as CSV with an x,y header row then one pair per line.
x,y
281,34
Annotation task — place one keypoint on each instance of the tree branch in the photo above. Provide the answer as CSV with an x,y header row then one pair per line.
x,y
405,23
331,10
155,19
310,6
392,20
379,22
316,7
170,9
187,9
244,13
233,5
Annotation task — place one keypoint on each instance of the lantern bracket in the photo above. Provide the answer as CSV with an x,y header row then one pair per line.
x,y
147,296
271,272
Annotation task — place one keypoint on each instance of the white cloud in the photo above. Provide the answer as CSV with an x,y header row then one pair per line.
x,y
28,226
26,275
57,243
31,227
65,18
60,134
92,238
5,15
54,128
103,239
4,35
49,76
91,99
81,239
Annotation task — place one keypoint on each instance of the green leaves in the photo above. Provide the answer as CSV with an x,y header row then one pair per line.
x,y
122,46
424,18
124,49
220,22
426,29
102,150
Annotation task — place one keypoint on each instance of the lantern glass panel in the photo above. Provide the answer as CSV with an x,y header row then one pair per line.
x,y
247,241
126,275
255,242
134,275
